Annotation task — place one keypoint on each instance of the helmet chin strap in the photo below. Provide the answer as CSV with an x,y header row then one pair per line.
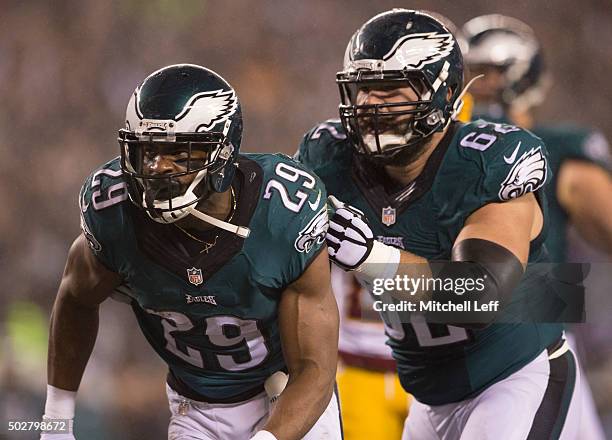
x,y
189,196
186,200
240,231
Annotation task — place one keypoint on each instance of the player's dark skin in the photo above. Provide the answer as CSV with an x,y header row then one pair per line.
x,y
218,205
308,322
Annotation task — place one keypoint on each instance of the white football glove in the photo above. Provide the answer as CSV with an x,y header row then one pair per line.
x,y
351,245
349,237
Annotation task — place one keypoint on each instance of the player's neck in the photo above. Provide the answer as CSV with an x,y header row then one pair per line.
x,y
406,174
217,205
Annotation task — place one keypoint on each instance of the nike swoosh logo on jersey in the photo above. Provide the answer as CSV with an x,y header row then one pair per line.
x,y
510,160
315,205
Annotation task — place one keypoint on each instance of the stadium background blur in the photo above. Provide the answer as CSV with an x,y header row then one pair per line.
x,y
67,69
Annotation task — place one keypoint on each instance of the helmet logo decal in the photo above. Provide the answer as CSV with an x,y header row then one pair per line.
x,y
527,175
209,108
417,50
201,112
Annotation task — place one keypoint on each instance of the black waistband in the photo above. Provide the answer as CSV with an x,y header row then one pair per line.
x,y
184,390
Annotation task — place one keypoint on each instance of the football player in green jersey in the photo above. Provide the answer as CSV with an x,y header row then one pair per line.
x,y
418,187
366,373
222,258
508,54
506,51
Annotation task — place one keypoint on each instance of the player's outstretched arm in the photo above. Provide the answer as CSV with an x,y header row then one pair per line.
x,y
308,317
74,326
584,190
511,225
494,243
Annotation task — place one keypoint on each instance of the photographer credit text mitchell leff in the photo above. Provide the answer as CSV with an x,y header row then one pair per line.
x,y
403,286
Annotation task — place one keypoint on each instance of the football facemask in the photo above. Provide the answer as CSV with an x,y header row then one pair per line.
x,y
182,136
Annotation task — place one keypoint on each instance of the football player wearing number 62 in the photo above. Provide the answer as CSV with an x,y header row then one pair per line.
x,y
222,258
413,186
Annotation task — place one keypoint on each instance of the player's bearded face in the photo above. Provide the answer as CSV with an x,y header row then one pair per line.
x,y
392,130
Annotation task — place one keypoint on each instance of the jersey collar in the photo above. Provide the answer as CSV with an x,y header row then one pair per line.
x,y
382,193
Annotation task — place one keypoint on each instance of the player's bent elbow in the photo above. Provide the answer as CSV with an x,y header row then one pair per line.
x,y
493,273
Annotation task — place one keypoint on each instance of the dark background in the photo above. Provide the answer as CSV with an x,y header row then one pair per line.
x,y
67,69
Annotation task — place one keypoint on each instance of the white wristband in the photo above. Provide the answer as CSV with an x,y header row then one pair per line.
x,y
60,403
263,435
381,263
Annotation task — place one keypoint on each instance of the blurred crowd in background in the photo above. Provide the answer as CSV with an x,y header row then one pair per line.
x,y
67,69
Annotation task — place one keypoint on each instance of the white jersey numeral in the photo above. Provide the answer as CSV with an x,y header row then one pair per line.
x,y
482,141
427,339
246,333
422,330
114,194
177,322
291,174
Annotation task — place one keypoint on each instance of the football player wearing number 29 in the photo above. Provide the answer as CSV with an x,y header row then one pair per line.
x,y
222,261
406,171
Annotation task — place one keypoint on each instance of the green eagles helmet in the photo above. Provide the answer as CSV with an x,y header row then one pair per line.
x,y
192,114
451,26
510,46
397,49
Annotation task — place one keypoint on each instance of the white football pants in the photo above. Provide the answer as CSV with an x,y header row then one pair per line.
x,y
540,401
192,420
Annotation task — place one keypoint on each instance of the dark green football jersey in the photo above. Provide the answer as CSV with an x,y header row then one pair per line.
x,y
566,142
475,164
209,307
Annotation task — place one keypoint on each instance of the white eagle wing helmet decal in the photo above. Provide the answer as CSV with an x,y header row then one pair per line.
x,y
205,110
417,50
201,113
527,175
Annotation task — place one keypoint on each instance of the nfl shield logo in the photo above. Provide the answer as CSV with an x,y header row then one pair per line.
x,y
388,216
195,276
